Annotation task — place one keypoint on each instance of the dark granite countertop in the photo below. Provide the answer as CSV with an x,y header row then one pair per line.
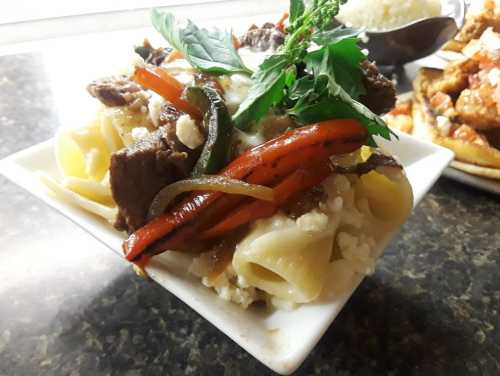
x,y
69,306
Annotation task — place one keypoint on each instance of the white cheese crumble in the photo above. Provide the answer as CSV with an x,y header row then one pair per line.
x,y
181,69
358,249
154,107
252,59
336,204
313,221
139,133
443,125
490,41
494,77
228,285
188,133
236,89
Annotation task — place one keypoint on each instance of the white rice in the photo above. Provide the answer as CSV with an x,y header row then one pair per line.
x,y
386,14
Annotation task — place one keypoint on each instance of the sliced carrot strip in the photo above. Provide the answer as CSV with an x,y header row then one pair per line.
x,y
340,135
280,25
299,181
173,56
162,83
236,41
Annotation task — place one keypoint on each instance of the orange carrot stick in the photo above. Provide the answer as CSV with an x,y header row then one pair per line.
x,y
236,41
340,135
162,83
280,25
299,181
174,55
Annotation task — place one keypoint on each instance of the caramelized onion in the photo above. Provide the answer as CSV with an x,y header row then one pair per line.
x,y
206,183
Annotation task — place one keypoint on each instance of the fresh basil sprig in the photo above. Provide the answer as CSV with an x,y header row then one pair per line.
x,y
267,91
334,35
323,94
331,83
344,59
209,51
271,80
297,8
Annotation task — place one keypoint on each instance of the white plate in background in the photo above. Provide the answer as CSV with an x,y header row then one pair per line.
x,y
488,185
478,182
280,339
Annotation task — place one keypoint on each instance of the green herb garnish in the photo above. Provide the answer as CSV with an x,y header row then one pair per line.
x,y
332,82
327,88
209,51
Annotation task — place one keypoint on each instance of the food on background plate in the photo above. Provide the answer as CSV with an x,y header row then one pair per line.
x,y
269,177
459,107
482,14
386,14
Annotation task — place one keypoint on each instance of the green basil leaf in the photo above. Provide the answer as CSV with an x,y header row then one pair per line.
x,y
209,51
335,35
342,62
165,24
302,88
336,103
267,90
297,8
338,108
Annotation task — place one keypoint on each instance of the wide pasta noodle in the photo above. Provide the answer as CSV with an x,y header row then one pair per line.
x,y
279,255
104,211
291,259
118,123
83,157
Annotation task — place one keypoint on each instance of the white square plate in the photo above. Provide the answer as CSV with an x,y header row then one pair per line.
x,y
281,339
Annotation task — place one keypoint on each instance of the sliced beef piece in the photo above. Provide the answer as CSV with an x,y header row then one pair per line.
x,y
374,161
151,55
263,38
380,94
137,174
118,91
305,202
208,80
169,115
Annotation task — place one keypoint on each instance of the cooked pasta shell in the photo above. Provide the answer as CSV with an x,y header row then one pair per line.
x,y
70,159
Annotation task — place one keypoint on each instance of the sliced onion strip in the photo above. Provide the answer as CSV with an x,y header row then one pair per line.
x,y
206,183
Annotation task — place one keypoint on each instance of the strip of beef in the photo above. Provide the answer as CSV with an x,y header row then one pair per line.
x,y
380,94
137,173
152,55
263,38
118,91
305,202
373,162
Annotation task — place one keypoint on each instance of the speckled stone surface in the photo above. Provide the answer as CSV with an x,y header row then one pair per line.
x,y
69,306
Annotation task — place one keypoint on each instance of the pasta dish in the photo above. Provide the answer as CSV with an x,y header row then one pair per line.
x,y
254,154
